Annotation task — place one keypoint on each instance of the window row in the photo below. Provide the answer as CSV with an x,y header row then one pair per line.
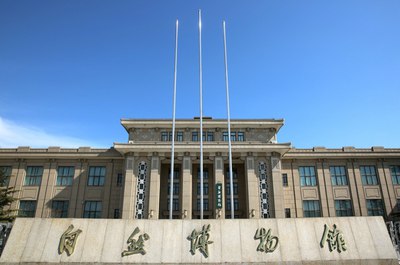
x,y
338,176
65,176
343,208
208,136
59,209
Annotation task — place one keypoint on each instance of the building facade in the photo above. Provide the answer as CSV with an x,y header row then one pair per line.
x,y
270,179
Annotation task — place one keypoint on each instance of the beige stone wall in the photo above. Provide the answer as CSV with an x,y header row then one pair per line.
x,y
36,241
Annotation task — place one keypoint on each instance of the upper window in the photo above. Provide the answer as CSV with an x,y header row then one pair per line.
x,y
311,209
59,209
235,136
179,136
27,208
343,208
375,207
240,136
96,176
92,209
338,175
33,176
119,179
7,173
65,176
395,172
285,182
307,176
368,175
164,136
195,136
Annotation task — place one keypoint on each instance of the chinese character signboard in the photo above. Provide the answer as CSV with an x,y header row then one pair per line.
x,y
334,238
135,246
68,241
218,188
268,243
199,240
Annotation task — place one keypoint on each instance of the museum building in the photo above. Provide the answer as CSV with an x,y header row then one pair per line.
x,y
270,179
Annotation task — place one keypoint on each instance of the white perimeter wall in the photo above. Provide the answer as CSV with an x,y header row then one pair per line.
x,y
103,240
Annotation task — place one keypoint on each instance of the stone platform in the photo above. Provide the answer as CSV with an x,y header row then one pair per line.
x,y
346,240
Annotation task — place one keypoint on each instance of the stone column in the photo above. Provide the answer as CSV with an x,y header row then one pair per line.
x,y
107,212
384,187
48,191
329,190
82,186
154,191
252,192
73,203
388,176
353,188
297,190
277,187
42,190
219,178
321,189
128,204
360,189
187,188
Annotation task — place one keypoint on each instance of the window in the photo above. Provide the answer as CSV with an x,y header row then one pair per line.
x,y
65,175
235,204
27,208
7,173
205,204
117,214
285,182
240,136
287,212
175,188
375,207
343,208
368,175
119,179
96,176
205,188
235,188
233,136
195,136
175,204
234,174
59,209
395,172
307,176
210,136
33,176
179,136
225,137
311,209
166,136
338,175
92,209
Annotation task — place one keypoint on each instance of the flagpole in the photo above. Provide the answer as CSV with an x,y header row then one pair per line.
x,y
201,120
229,123
171,190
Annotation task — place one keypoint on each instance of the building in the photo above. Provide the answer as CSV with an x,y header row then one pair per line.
x,y
270,179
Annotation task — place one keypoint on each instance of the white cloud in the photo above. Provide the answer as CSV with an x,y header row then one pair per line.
x,y
14,135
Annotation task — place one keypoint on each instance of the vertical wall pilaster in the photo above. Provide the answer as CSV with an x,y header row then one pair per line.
x,y
128,204
277,187
353,189
82,180
329,191
219,178
154,194
73,203
297,190
42,190
187,188
321,189
360,189
388,177
48,192
253,199
384,187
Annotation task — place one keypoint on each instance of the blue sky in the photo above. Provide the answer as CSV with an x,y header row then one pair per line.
x,y
69,70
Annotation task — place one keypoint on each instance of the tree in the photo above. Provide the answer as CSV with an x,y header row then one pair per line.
x,y
6,198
